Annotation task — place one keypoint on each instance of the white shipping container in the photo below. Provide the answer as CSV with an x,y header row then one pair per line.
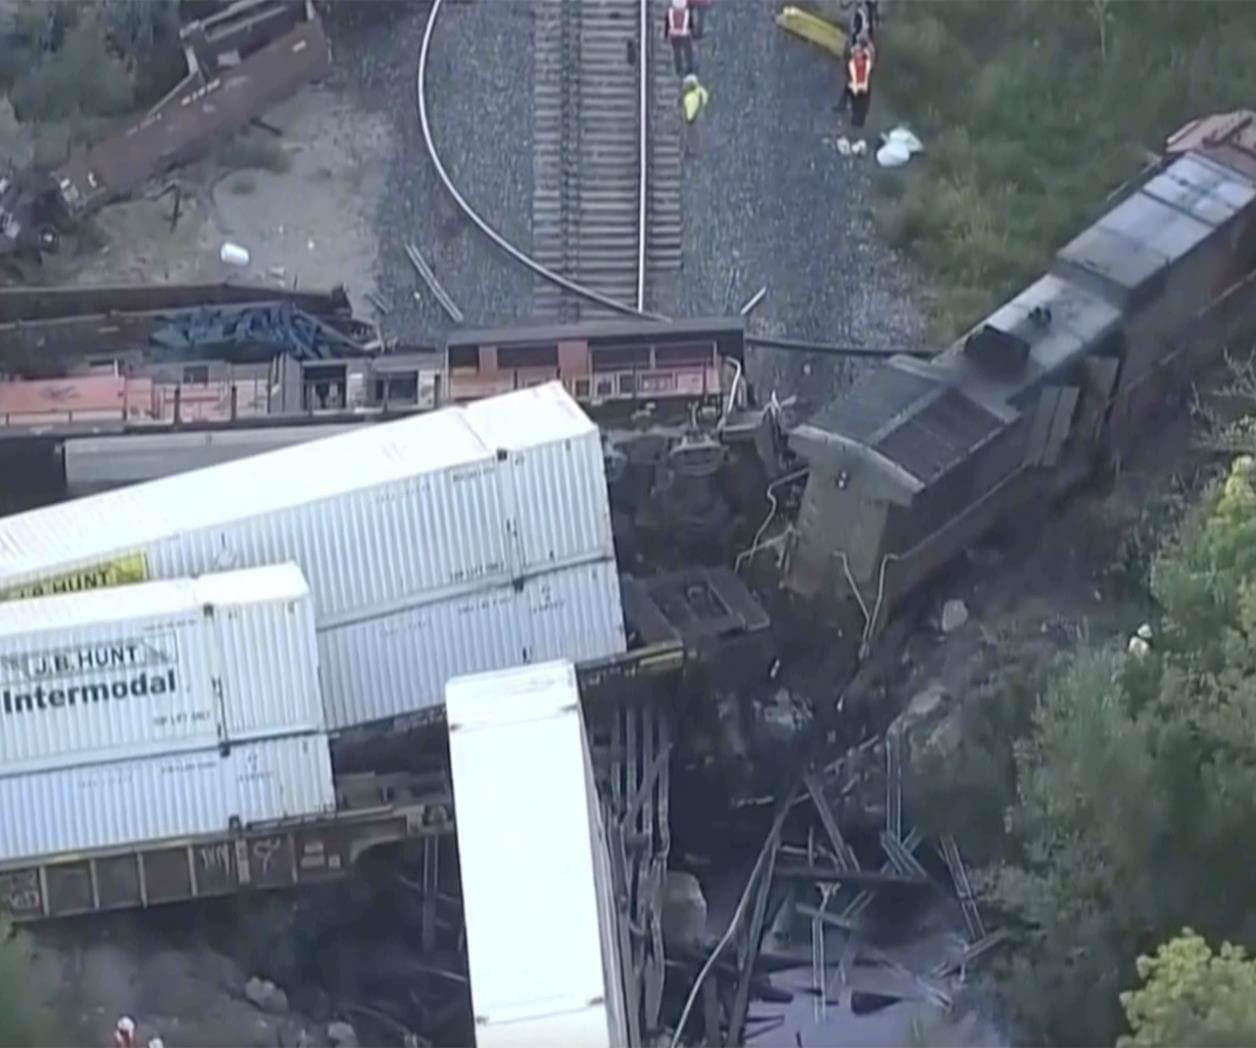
x,y
158,798
398,665
553,484
384,518
542,944
176,665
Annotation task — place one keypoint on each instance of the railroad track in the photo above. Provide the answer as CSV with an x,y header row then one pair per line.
x,y
606,165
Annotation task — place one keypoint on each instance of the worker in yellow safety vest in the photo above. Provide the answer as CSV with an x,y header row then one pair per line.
x,y
678,28
693,98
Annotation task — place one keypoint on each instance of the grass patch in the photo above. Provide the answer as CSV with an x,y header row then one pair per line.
x,y
1030,120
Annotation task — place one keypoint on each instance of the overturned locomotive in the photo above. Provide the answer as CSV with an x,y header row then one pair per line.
x,y
919,458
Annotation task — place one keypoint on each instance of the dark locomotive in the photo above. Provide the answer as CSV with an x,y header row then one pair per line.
x,y
921,457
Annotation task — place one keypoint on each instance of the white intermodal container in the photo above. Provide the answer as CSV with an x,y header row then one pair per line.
x,y
172,665
391,667
547,972
123,803
382,518
436,518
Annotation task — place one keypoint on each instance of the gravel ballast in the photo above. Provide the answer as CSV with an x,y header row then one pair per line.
x,y
768,201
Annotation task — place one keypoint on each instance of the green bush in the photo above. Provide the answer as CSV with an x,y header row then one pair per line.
x,y
1028,124
1192,998
81,77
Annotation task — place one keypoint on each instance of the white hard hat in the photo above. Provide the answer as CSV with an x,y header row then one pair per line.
x,y
126,1024
679,5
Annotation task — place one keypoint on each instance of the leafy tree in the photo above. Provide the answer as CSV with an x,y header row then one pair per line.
x,y
1192,998
1136,781
83,76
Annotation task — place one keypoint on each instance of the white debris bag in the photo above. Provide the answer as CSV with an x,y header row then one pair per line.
x,y
899,146
906,138
893,154
234,254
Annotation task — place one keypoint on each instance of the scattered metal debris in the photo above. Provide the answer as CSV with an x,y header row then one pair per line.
x,y
279,326
753,302
429,278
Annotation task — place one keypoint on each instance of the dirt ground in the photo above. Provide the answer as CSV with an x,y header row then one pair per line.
x,y
309,226
188,995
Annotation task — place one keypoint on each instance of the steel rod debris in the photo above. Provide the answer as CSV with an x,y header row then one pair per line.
x,y
429,278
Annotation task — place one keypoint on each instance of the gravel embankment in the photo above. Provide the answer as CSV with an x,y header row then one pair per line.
x,y
768,201
480,107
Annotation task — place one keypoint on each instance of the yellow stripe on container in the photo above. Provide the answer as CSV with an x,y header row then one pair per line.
x,y
121,571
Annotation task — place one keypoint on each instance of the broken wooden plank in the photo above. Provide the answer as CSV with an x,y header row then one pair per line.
x,y
831,919
843,853
963,888
901,859
861,901
865,878
972,952
894,782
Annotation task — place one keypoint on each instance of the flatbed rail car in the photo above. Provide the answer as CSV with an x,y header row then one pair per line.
x,y
672,633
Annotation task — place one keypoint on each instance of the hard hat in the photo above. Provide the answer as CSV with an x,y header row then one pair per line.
x,y
679,5
1144,631
126,1025
691,80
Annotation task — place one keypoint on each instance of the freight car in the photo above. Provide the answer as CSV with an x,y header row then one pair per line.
x,y
614,369
921,457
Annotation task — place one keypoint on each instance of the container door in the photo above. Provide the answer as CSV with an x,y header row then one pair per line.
x,y
217,667
508,466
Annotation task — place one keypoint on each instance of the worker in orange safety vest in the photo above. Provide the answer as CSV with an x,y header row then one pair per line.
x,y
678,28
859,61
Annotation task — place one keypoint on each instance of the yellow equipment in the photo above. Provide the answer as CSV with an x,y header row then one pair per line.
x,y
811,27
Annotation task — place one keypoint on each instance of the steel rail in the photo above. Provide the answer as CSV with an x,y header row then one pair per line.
x,y
493,235
643,75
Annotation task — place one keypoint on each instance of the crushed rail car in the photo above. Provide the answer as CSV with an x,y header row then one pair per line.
x,y
241,61
227,85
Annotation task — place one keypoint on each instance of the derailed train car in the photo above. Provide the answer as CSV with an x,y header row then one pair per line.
x,y
921,457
